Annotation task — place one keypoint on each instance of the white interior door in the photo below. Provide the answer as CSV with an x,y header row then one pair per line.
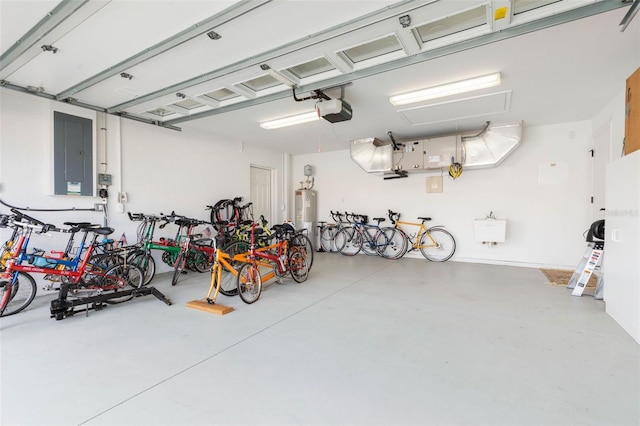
x,y
261,192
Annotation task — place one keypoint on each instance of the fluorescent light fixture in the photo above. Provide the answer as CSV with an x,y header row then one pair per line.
x,y
290,121
458,87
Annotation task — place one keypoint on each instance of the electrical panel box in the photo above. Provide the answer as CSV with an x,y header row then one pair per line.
x,y
632,114
104,179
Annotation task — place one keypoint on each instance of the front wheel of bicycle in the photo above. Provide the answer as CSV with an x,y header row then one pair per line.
x,y
298,265
348,241
178,268
17,296
228,283
145,262
304,244
249,283
132,275
437,245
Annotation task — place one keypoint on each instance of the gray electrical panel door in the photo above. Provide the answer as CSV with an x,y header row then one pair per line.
x,y
73,155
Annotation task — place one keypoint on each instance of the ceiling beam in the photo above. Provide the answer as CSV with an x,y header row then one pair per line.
x,y
554,20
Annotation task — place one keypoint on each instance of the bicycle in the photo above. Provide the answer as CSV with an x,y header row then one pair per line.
x,y
191,253
372,239
329,231
77,277
435,243
284,258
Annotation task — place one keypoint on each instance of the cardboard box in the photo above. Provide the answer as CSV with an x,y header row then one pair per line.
x,y
632,114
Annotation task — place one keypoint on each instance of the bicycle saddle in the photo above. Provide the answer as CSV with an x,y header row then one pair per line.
x,y
103,231
424,218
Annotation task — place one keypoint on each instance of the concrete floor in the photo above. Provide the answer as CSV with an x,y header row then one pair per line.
x,y
364,341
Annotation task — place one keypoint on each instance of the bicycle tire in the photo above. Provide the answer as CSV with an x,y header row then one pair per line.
x,y
19,296
249,283
298,265
201,262
437,245
228,283
145,262
396,243
349,241
369,246
178,267
303,242
328,238
133,275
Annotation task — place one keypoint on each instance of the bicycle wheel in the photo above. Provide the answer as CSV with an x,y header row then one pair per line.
x,y
437,245
348,241
144,261
228,284
304,244
393,245
132,275
14,298
178,268
369,241
298,265
328,238
249,283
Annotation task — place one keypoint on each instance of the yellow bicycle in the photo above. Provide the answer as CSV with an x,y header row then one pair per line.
x,y
435,243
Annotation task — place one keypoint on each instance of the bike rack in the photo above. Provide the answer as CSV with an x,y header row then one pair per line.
x,y
64,308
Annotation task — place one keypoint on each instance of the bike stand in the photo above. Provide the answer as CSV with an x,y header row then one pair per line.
x,y
209,305
64,308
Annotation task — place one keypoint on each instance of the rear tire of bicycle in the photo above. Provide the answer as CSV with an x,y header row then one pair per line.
x,y
442,249
348,241
20,296
131,274
298,265
395,244
228,283
304,243
201,262
145,262
249,283
178,268
369,246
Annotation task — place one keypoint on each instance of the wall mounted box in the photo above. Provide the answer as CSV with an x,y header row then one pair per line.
x,y
490,230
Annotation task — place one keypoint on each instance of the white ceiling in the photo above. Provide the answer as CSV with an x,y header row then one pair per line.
x,y
558,63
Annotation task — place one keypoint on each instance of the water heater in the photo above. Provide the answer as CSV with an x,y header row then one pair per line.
x,y
306,212
306,209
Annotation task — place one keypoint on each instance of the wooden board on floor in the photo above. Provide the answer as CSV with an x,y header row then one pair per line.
x,y
203,305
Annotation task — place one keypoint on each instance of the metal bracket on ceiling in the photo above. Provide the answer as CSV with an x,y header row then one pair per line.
x,y
399,174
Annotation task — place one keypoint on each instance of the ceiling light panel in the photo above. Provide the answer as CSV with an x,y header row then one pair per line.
x,y
454,24
222,94
311,68
522,6
373,49
188,104
160,112
261,83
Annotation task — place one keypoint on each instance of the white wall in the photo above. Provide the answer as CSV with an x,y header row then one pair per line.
x,y
622,243
545,222
160,169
